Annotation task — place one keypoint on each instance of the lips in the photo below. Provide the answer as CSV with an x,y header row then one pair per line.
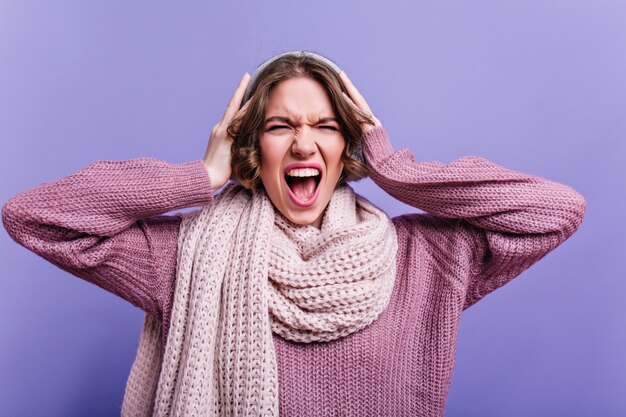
x,y
303,187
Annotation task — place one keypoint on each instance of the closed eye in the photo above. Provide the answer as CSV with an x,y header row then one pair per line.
x,y
287,127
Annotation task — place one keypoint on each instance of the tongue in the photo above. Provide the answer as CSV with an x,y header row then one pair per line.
x,y
303,188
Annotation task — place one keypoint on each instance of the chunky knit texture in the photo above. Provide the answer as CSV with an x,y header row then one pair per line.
x,y
484,225
243,271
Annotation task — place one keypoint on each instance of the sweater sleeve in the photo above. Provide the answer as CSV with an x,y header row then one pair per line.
x,y
104,224
510,219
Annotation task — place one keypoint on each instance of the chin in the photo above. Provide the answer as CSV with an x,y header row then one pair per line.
x,y
303,218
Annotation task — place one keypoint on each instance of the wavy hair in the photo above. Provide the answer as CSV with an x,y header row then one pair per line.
x,y
247,128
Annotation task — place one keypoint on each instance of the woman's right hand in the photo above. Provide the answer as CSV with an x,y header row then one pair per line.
x,y
217,158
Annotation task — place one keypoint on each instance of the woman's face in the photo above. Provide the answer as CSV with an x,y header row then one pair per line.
x,y
301,147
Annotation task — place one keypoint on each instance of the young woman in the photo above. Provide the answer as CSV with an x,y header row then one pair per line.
x,y
287,292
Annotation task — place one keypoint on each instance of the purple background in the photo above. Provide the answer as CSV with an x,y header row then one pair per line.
x,y
536,86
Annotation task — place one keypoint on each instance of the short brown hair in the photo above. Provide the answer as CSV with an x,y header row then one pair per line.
x,y
246,129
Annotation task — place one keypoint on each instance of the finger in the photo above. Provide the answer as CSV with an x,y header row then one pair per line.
x,y
357,98
235,101
365,110
354,93
349,100
354,106
226,123
243,109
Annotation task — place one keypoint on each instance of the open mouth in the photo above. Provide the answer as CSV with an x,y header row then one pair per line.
x,y
303,188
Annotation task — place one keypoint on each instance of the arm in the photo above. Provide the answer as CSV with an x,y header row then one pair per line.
x,y
101,224
512,219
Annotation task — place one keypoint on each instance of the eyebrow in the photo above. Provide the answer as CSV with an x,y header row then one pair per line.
x,y
292,122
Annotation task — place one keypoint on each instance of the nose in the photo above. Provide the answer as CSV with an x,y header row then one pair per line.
x,y
304,144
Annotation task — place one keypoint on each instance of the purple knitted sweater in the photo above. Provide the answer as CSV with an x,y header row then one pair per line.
x,y
484,225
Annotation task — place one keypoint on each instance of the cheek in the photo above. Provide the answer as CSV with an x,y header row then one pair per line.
x,y
334,151
268,154
272,154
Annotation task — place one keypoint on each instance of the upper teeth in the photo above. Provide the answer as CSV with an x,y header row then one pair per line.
x,y
303,172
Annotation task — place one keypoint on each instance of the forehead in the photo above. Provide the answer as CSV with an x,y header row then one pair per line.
x,y
299,97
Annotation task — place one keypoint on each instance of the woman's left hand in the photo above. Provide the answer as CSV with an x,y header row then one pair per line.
x,y
356,99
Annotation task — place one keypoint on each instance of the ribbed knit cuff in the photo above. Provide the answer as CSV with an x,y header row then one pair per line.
x,y
376,145
189,184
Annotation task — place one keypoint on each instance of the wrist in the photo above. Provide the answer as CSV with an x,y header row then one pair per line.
x,y
212,177
368,127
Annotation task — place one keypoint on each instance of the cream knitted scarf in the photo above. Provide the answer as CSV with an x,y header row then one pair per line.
x,y
244,271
